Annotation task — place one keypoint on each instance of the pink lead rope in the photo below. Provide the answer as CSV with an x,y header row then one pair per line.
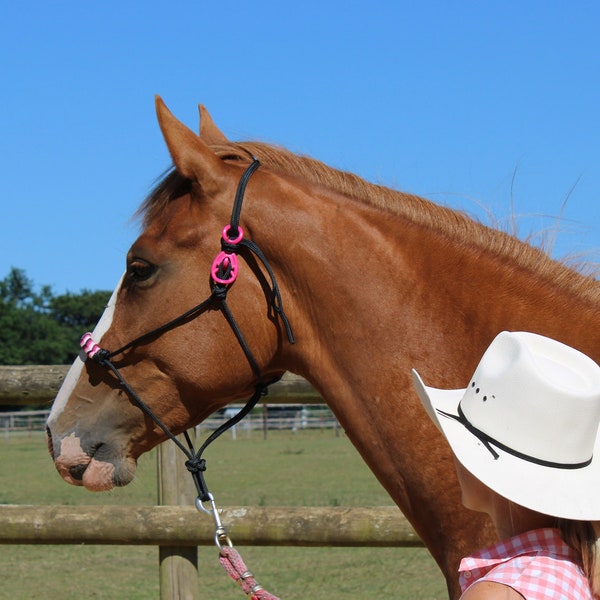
x,y
234,565
230,558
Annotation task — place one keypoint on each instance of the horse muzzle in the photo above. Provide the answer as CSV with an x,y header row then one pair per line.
x,y
97,467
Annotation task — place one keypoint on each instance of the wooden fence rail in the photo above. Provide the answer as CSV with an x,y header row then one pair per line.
x,y
185,526
28,385
176,526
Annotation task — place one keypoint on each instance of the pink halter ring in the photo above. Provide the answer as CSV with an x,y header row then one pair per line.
x,y
224,269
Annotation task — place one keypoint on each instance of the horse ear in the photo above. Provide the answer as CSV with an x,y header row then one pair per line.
x,y
191,155
209,132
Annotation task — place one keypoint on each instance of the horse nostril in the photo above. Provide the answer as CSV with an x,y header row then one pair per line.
x,y
49,442
77,471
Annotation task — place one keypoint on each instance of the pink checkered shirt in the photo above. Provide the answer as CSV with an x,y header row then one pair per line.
x,y
537,564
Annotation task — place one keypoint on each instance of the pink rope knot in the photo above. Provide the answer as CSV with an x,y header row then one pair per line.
x,y
232,562
88,345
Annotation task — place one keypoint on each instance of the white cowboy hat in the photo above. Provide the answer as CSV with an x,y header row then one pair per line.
x,y
527,424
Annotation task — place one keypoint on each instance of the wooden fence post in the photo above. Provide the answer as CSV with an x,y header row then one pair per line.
x,y
178,564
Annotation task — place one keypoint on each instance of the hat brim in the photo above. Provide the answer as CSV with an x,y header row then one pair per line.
x,y
559,492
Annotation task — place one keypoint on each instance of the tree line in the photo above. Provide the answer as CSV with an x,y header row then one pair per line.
x,y
38,327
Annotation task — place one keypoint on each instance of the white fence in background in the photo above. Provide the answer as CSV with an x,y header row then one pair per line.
x,y
294,417
23,420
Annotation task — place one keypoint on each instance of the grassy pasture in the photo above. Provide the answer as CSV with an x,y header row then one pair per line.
x,y
309,468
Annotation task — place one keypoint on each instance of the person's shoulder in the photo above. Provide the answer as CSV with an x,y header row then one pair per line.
x,y
490,590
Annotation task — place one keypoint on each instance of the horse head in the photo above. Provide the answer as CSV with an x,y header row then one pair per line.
x,y
173,334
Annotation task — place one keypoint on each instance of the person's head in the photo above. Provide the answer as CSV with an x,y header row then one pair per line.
x,y
527,424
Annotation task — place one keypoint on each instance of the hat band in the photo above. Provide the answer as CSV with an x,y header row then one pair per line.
x,y
489,441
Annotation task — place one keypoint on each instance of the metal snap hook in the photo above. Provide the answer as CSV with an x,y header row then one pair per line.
x,y
221,536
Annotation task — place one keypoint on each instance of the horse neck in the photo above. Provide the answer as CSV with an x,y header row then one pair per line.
x,y
383,284
353,285
376,294
371,295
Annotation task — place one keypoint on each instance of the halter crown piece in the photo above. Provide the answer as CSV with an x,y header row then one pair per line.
x,y
224,271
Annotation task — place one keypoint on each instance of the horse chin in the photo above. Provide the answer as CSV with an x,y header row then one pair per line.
x,y
101,476
98,476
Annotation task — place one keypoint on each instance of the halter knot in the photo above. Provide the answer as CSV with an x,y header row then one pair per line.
x,y
195,465
101,356
230,246
219,291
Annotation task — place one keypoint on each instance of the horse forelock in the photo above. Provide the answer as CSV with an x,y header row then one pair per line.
x,y
453,224
171,185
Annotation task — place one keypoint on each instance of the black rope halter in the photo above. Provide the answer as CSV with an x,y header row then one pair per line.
x,y
223,273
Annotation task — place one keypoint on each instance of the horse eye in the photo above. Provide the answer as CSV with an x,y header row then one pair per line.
x,y
140,270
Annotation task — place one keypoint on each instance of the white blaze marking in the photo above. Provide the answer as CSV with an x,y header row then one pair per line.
x,y
72,377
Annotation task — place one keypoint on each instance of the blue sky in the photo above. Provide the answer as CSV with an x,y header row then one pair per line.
x,y
483,106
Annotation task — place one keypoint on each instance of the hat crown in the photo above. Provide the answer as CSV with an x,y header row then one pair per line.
x,y
536,396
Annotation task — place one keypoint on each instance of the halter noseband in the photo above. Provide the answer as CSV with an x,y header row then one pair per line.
x,y
224,271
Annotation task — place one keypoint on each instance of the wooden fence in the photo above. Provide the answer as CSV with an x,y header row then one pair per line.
x,y
173,525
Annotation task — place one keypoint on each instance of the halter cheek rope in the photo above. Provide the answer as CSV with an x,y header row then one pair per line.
x,y
224,271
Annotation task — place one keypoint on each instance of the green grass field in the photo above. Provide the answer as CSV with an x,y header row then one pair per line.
x,y
311,468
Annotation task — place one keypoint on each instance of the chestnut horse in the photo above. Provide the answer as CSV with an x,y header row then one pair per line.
x,y
374,282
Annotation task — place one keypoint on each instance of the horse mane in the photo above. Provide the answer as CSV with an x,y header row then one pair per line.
x,y
451,223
